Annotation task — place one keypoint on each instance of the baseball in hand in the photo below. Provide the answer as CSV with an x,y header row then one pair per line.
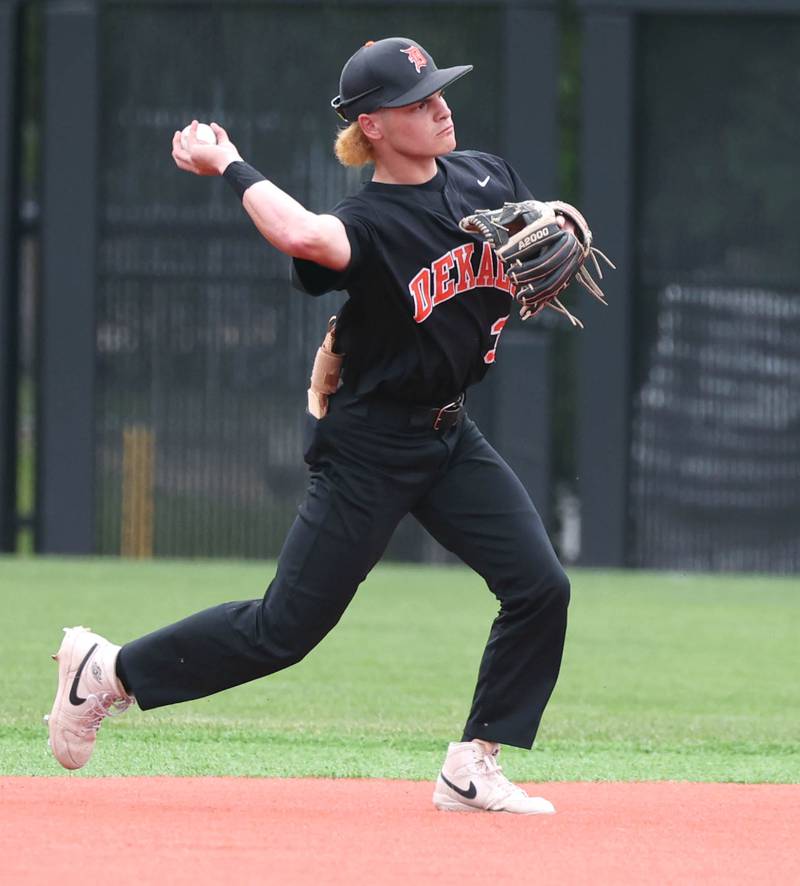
x,y
205,135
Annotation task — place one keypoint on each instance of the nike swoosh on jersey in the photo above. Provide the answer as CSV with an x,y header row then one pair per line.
x,y
484,182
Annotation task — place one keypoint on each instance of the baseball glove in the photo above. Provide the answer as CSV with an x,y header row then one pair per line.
x,y
544,246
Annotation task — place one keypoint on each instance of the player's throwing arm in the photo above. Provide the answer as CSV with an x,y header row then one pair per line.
x,y
280,219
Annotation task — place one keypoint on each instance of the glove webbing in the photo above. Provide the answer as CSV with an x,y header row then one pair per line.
x,y
586,280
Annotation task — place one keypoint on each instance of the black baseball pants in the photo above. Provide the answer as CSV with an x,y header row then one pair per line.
x,y
369,467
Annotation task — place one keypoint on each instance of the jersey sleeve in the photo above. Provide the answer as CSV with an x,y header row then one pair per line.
x,y
315,279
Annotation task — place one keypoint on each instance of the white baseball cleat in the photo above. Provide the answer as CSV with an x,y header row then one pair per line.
x,y
88,692
472,780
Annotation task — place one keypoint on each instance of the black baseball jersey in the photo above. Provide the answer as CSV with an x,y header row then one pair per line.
x,y
427,301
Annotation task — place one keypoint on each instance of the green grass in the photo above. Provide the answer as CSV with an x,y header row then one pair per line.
x,y
664,677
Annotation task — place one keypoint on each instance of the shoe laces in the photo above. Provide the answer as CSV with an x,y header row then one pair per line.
x,y
487,765
102,705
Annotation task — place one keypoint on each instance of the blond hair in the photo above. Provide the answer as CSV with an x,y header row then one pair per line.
x,y
352,147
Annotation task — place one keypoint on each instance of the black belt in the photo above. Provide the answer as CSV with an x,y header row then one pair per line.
x,y
438,418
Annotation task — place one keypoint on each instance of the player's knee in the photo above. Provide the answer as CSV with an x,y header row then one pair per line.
x,y
295,655
281,654
560,588
536,590
550,587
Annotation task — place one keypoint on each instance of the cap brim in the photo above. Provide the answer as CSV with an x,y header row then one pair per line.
x,y
432,83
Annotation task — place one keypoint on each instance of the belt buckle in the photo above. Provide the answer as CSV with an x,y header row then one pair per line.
x,y
447,408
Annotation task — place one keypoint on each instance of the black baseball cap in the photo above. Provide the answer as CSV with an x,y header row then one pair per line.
x,y
390,73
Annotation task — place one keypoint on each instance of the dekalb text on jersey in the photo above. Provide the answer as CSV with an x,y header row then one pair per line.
x,y
434,285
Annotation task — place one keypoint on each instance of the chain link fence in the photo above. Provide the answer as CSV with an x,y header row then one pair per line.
x,y
203,348
715,456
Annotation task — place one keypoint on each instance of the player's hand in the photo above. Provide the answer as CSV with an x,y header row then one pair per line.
x,y
566,224
203,159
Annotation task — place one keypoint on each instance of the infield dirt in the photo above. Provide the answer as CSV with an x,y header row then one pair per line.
x,y
74,830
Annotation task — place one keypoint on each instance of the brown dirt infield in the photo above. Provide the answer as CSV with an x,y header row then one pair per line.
x,y
300,831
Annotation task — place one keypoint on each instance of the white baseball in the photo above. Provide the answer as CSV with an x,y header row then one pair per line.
x,y
205,135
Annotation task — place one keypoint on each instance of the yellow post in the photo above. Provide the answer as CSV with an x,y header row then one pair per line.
x,y
138,458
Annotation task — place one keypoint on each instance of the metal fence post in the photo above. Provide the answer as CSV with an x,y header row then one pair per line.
x,y
65,451
604,361
9,128
515,398
531,137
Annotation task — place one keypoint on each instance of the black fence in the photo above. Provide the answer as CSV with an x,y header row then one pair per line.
x,y
173,354
9,80
690,439
715,430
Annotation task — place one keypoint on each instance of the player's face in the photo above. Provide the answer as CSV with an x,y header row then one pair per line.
x,y
424,129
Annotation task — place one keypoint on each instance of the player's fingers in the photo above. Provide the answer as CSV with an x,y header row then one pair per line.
x,y
191,135
566,224
178,151
221,134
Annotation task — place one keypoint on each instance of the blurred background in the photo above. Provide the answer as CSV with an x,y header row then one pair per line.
x,y
154,357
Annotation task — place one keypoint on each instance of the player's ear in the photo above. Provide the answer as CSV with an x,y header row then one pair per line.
x,y
370,126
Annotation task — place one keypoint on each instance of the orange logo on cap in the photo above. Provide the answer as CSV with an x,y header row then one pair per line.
x,y
416,57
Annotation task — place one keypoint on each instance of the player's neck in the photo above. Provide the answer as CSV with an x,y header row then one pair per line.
x,y
398,169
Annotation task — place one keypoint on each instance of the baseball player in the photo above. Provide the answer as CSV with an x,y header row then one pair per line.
x,y
388,434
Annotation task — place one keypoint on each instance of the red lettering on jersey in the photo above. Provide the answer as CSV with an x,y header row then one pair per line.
x,y
499,325
501,281
443,286
434,285
496,329
466,276
486,269
416,58
420,289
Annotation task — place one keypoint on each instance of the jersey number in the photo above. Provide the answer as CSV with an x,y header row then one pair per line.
x,y
497,328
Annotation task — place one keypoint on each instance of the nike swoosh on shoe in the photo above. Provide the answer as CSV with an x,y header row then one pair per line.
x,y
74,698
469,794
